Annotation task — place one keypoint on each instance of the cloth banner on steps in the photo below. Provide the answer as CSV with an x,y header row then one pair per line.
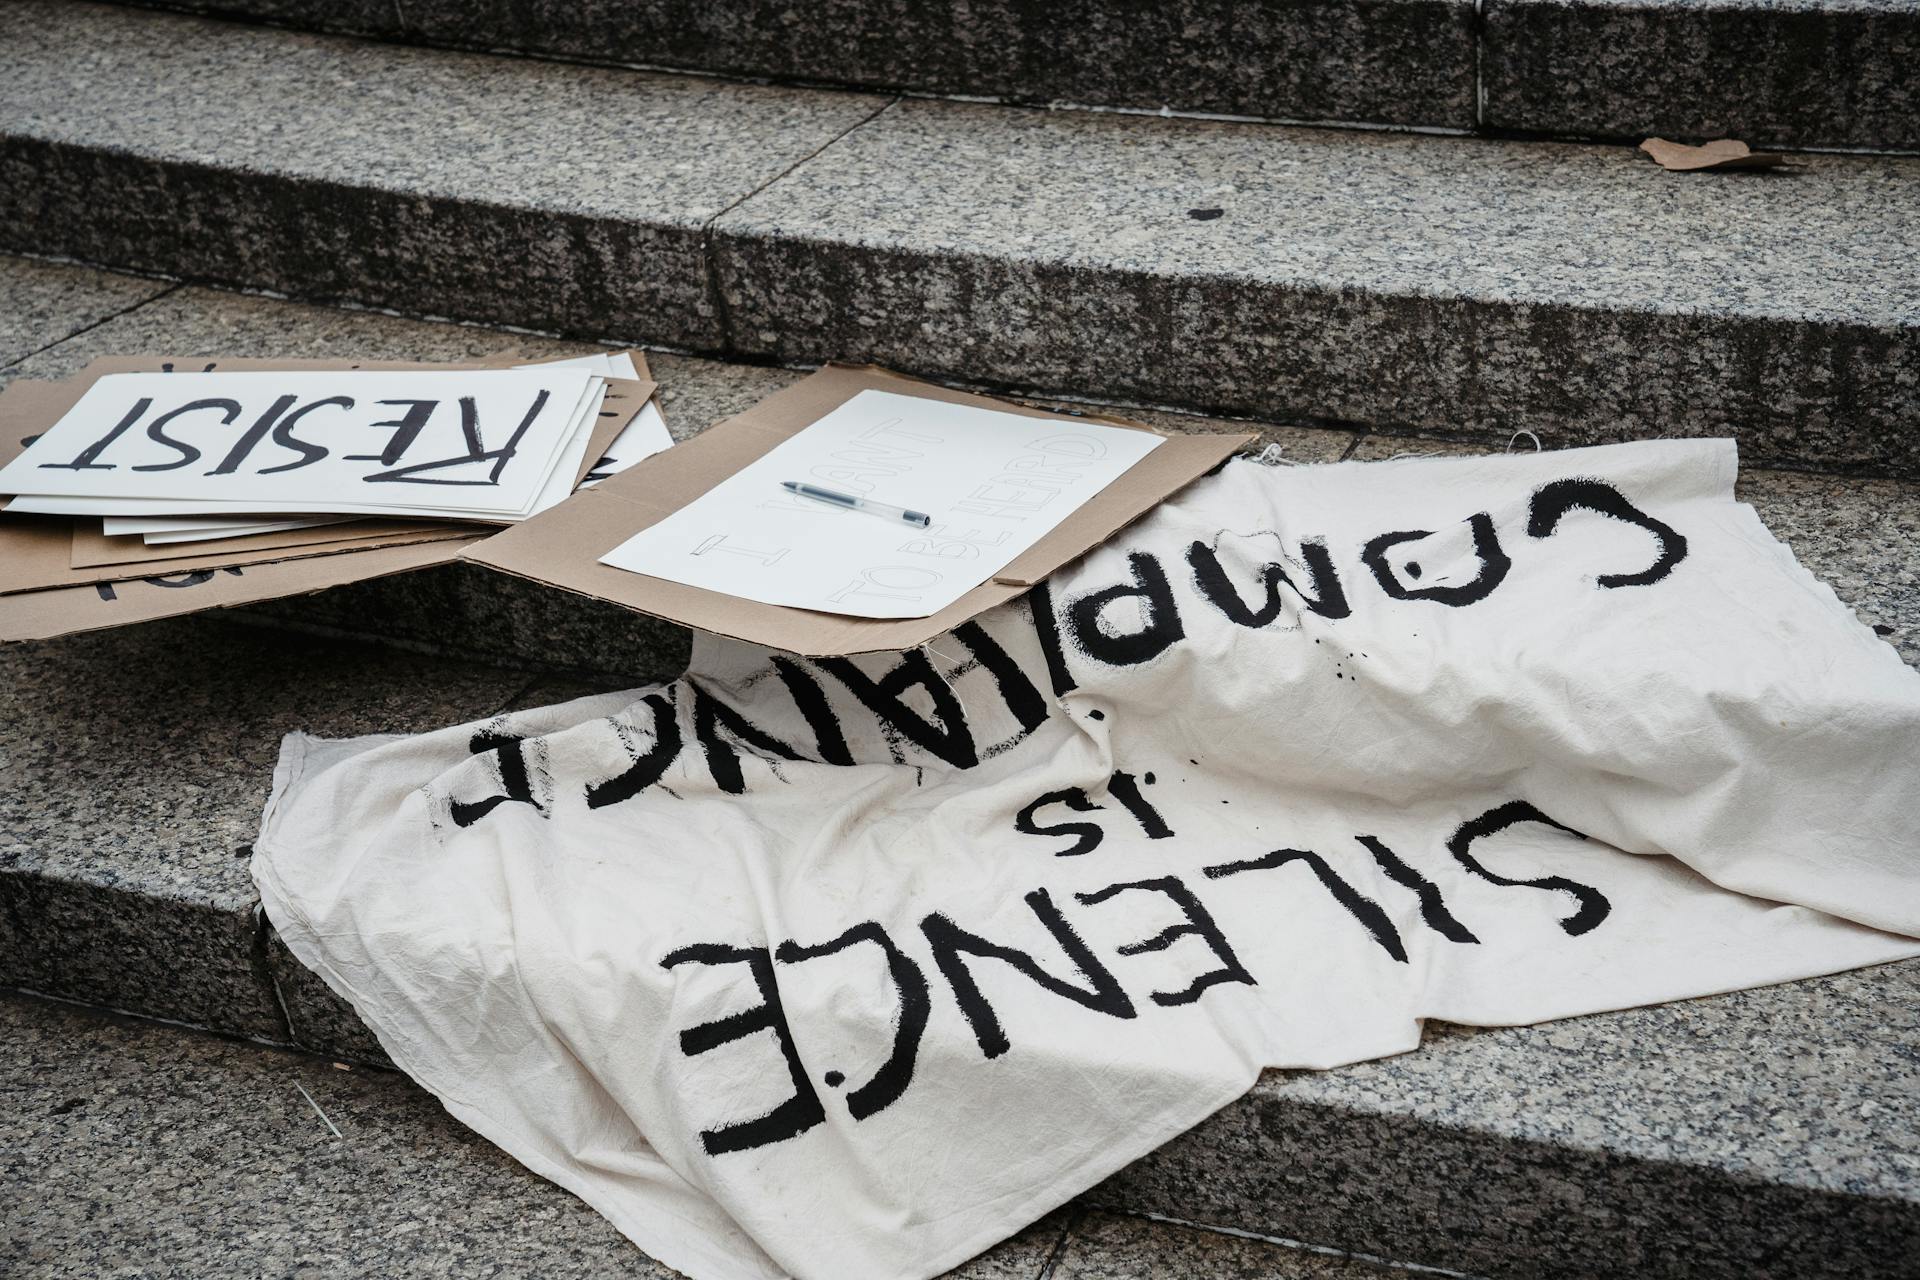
x,y
852,967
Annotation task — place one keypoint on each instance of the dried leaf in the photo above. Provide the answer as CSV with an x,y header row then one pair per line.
x,y
1722,153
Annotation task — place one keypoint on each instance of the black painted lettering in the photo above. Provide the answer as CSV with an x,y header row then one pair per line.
x,y
1022,699
1087,835
1160,624
1351,900
650,763
421,472
156,432
1593,905
406,429
516,780
1433,908
309,452
712,719
1047,627
1329,598
811,699
916,1004
1555,500
1125,788
951,945
1486,545
1196,922
252,436
946,736
88,459
798,1113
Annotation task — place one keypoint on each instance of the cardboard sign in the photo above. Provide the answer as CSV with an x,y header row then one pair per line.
x,y
563,547
39,595
967,488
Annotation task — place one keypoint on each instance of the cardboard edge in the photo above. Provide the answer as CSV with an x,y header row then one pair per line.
x,y
1203,454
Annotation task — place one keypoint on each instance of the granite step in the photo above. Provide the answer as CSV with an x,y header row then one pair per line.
x,y
1349,278
1825,73
1768,1132
1773,1132
136,1149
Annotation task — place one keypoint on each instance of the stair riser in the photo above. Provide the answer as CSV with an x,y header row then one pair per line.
x,y
1773,75
1496,1207
1829,76
1792,391
191,962
459,259
480,615
1396,62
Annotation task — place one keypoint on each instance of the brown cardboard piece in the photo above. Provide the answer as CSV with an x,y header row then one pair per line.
x,y
562,546
38,549
41,615
35,552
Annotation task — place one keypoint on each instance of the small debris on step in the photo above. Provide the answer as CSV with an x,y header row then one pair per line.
x,y
1722,153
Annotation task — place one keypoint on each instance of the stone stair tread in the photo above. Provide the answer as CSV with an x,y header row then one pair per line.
x,y
1814,73
1450,284
563,138
136,1149
47,303
596,184
136,763
130,799
1550,224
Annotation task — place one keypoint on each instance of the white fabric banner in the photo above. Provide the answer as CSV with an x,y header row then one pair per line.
x,y
850,968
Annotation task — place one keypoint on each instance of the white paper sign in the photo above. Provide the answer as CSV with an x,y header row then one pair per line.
x,y
187,528
480,442
640,439
994,483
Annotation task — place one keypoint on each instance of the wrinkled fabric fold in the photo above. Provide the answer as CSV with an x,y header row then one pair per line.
x,y
853,967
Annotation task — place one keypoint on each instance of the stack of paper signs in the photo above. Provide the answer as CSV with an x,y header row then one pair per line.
x,y
145,475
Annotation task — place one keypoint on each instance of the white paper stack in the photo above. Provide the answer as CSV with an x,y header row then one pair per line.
x,y
177,457
645,436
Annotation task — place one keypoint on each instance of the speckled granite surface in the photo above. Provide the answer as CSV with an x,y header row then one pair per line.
x,y
128,1149
1401,280
196,321
1377,61
42,303
1449,284
1764,1133
538,194
1105,1246
133,767
1797,73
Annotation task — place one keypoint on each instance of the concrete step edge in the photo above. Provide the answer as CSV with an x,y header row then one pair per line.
x,y
1401,281
123,883
1814,77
